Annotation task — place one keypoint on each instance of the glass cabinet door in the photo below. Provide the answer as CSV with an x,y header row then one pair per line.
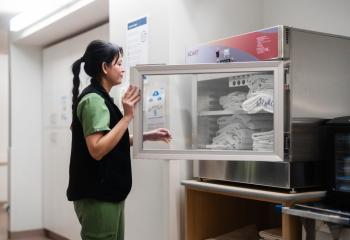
x,y
230,111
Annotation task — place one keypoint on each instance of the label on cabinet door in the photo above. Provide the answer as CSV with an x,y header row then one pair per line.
x,y
155,109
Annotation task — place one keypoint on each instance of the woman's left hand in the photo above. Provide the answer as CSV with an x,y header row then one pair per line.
x,y
159,134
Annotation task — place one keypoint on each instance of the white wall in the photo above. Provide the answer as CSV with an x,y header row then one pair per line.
x,y
318,15
191,23
4,120
3,184
4,109
199,21
3,40
173,25
26,142
59,215
146,209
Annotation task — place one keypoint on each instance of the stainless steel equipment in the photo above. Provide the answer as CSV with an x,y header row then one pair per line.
x,y
286,97
335,219
337,145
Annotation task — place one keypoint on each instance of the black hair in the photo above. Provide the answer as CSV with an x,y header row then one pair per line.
x,y
96,53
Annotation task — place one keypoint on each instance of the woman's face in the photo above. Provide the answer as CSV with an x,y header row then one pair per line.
x,y
115,71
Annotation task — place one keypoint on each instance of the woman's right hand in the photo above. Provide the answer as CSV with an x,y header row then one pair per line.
x,y
129,100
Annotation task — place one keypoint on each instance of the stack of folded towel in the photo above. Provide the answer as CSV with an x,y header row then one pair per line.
x,y
263,141
260,95
261,101
260,122
233,138
233,101
259,82
236,131
207,128
208,102
247,131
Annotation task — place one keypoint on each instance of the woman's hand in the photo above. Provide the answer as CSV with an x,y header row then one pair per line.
x,y
159,134
129,100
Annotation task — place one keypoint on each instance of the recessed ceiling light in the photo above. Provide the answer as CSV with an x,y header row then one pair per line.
x,y
35,11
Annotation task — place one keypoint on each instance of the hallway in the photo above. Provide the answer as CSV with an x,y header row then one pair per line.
x,y
4,225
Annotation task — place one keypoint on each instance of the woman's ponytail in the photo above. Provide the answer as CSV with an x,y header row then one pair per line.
x,y
96,53
76,82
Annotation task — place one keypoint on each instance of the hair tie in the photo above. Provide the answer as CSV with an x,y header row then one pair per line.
x,y
82,59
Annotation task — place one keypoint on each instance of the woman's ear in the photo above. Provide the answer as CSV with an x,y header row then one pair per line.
x,y
104,68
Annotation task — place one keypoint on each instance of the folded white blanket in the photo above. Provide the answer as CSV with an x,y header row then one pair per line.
x,y
262,148
233,100
236,96
260,124
232,127
207,102
259,102
263,135
233,107
260,81
252,121
244,133
234,135
263,141
225,120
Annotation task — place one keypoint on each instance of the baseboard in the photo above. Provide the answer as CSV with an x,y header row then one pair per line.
x,y
44,233
26,234
54,236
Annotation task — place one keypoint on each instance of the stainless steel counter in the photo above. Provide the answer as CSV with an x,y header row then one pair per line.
x,y
326,217
263,195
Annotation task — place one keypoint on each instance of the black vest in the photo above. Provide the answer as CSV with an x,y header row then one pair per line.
x,y
108,179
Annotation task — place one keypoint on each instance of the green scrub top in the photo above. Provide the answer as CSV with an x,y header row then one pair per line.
x,y
93,114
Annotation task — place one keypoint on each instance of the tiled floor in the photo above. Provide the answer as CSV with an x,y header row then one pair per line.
x,y
4,225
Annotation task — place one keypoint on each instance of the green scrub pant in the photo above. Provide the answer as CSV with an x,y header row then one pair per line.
x,y
100,220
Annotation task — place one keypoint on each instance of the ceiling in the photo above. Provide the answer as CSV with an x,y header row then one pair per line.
x,y
4,23
94,13
8,9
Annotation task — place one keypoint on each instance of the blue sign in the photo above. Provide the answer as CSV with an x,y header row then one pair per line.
x,y
137,23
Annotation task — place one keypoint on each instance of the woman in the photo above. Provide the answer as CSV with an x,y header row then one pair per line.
x,y
100,169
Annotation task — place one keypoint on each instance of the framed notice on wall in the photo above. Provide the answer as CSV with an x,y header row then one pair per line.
x,y
136,44
135,51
